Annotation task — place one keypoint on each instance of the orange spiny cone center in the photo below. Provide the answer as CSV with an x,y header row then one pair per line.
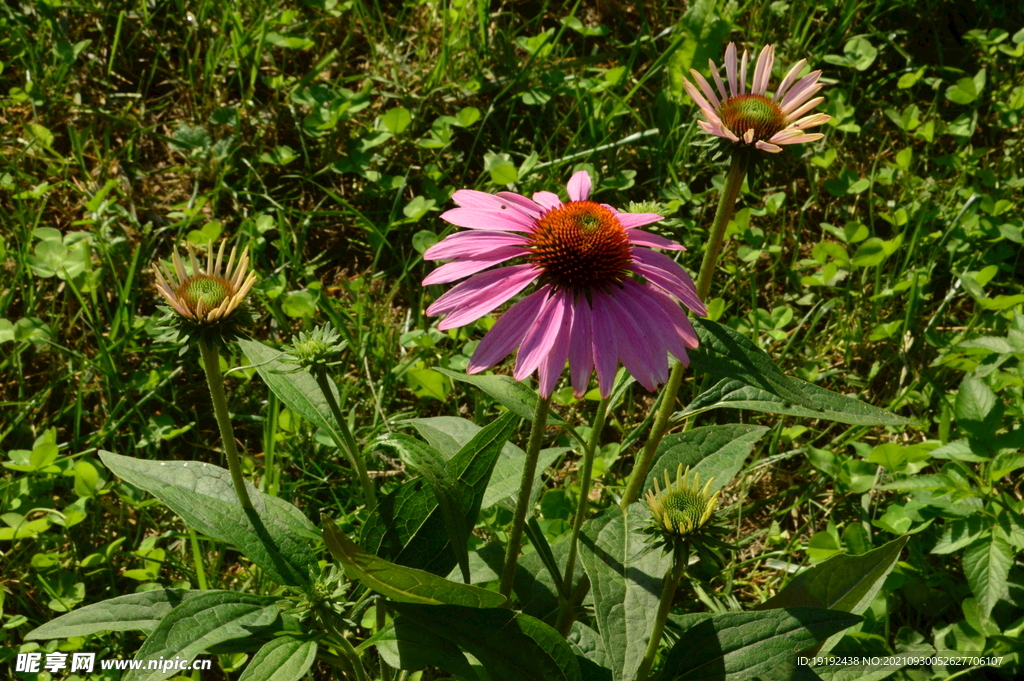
x,y
581,246
743,112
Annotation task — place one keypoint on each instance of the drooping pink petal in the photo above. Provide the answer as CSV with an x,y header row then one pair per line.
x,y
663,271
654,321
540,339
477,218
635,346
803,90
743,73
705,88
730,69
470,198
767,146
581,349
718,80
719,130
748,136
606,352
463,267
813,119
548,200
551,365
679,322
631,220
579,186
508,332
763,70
638,237
807,137
472,244
480,294
698,99
524,204
789,79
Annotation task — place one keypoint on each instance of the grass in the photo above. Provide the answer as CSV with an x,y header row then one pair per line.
x,y
329,135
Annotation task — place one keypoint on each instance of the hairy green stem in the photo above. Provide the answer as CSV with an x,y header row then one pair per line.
x,y
515,537
565,616
197,556
726,203
348,443
211,362
668,592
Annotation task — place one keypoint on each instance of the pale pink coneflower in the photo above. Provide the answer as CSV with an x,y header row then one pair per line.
x,y
752,118
604,295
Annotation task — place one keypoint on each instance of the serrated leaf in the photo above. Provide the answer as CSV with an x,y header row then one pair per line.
x,y
402,584
273,534
626,583
285,658
741,645
843,582
937,481
711,451
408,526
725,352
987,566
454,497
957,534
403,644
132,612
297,389
511,646
202,621
978,411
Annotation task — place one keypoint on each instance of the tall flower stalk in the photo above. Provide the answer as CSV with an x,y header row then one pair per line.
x,y
515,535
565,616
751,126
207,309
211,364
681,515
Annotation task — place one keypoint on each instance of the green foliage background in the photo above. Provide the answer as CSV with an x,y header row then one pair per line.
x,y
883,262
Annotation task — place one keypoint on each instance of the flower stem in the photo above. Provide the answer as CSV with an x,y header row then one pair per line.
x,y
726,203
515,537
348,443
668,592
565,617
211,362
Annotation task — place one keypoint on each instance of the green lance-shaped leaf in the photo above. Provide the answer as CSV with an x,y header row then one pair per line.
x,y
448,434
285,658
297,389
712,451
132,612
408,526
403,584
742,645
274,534
209,618
403,644
725,352
454,497
511,646
737,394
843,582
626,583
987,565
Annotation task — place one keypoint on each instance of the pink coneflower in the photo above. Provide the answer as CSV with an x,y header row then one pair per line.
x,y
754,119
589,308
